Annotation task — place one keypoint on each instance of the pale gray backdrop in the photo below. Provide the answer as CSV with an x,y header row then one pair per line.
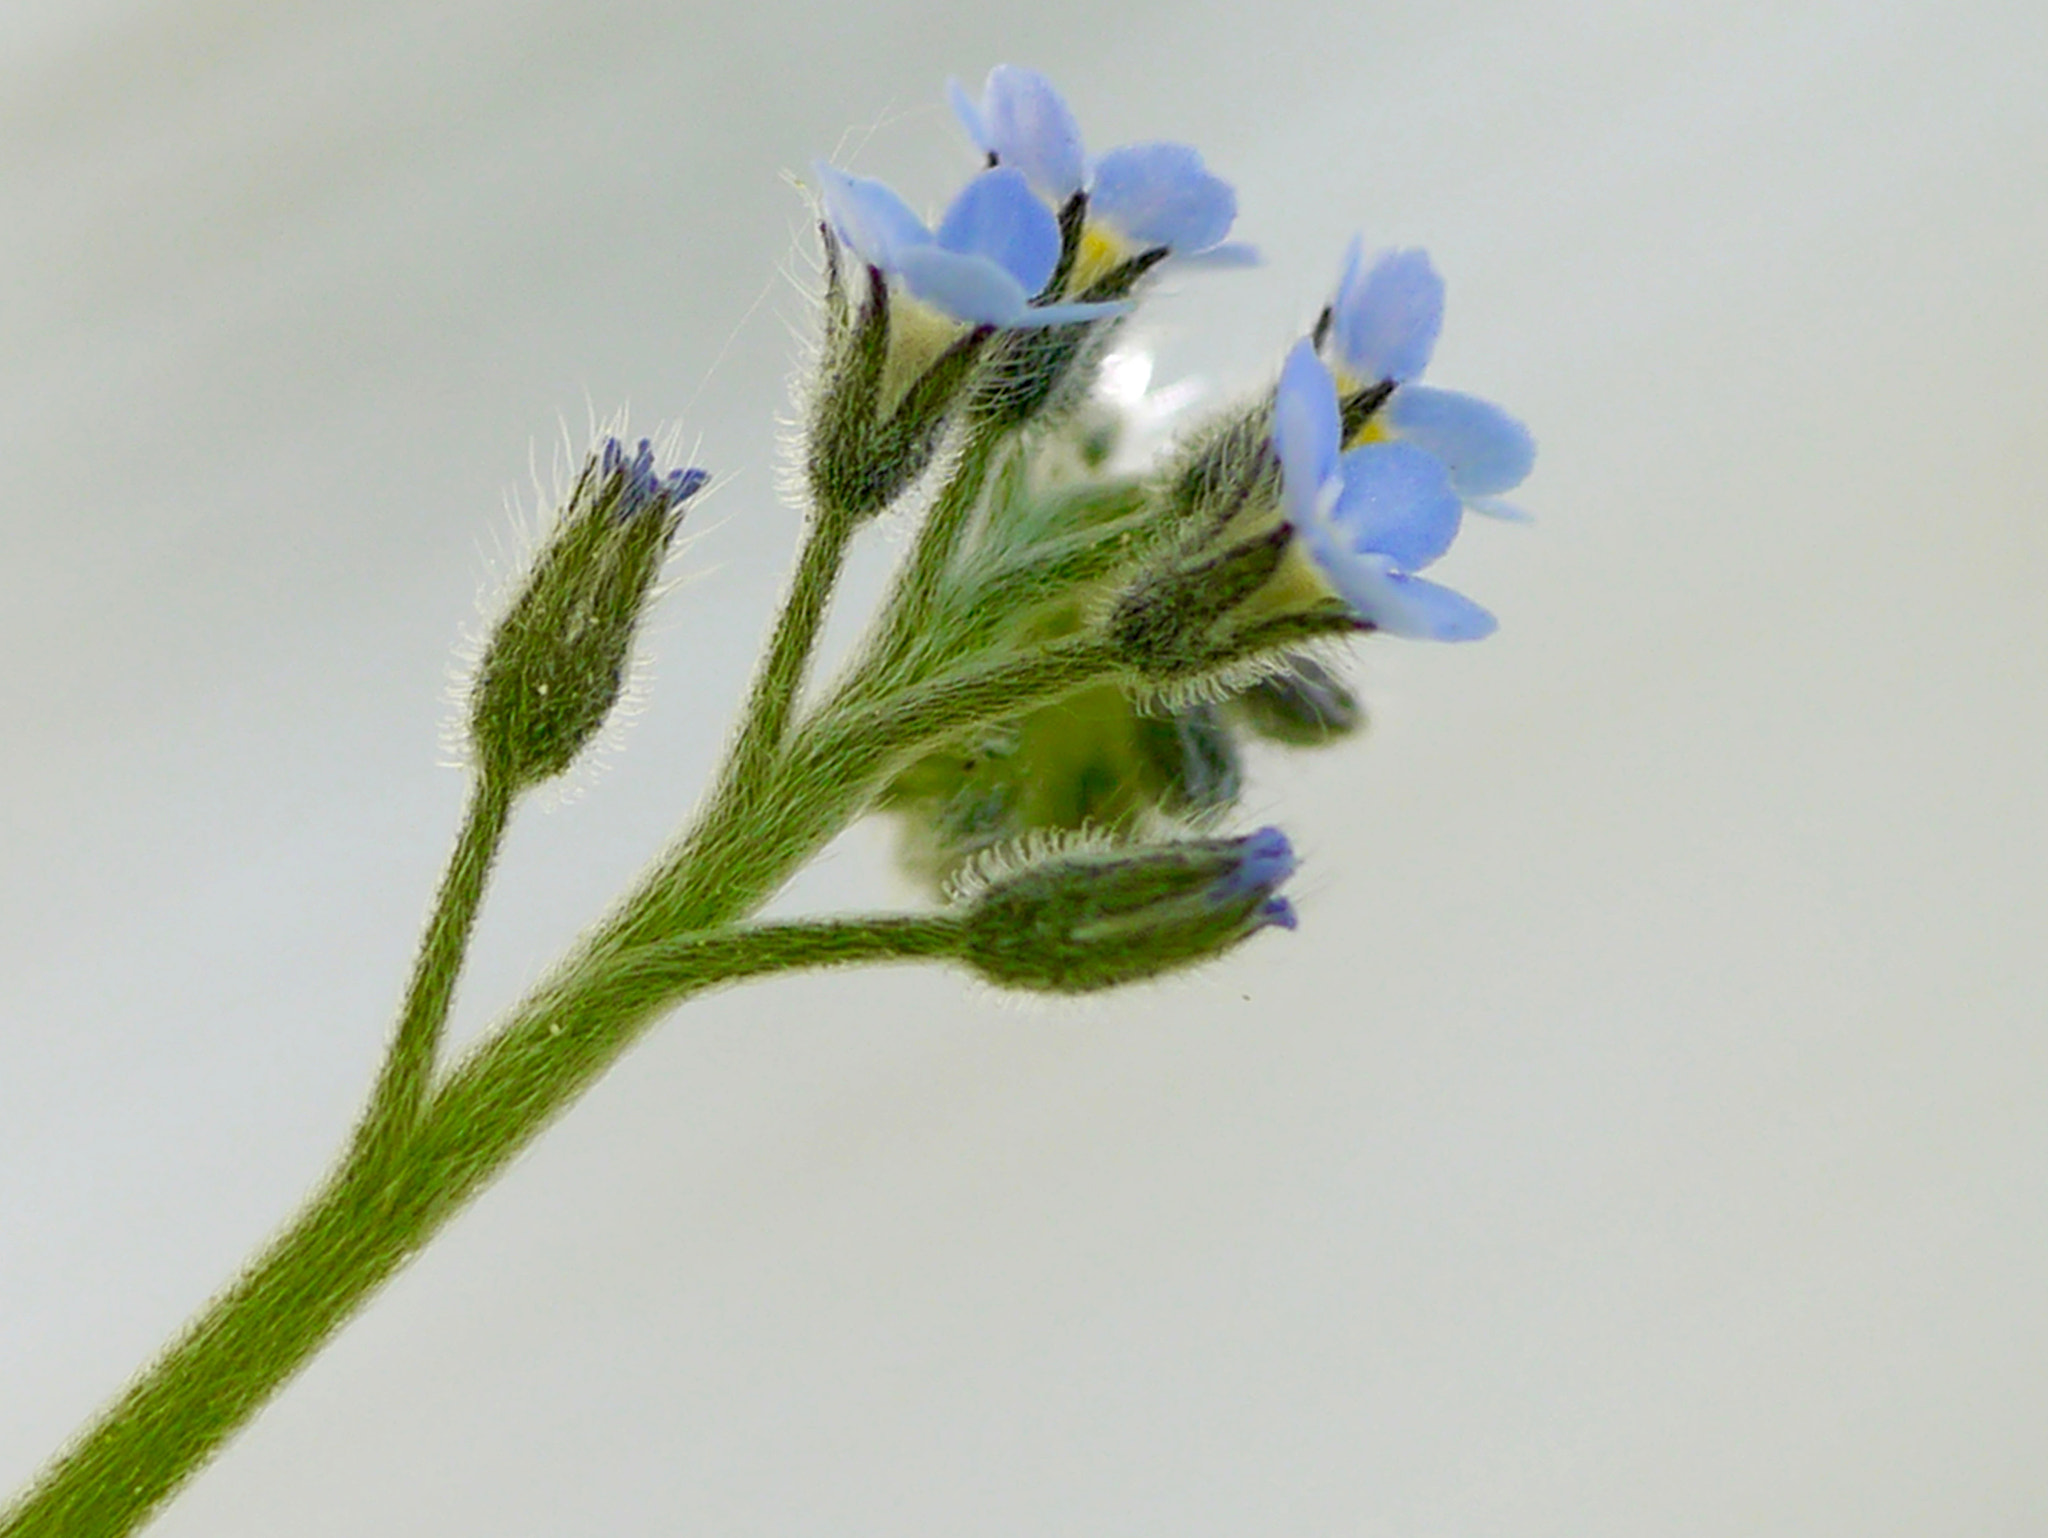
x,y
1642,1135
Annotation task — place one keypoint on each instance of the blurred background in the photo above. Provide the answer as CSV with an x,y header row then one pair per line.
x,y
1642,1135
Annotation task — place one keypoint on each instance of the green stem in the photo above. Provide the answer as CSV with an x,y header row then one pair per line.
x,y
555,1048
918,587
748,841
372,1215
408,1069
389,1198
773,698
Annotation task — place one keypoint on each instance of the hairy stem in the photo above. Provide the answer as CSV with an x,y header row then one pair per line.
x,y
666,942
918,586
373,1214
408,1069
772,701
747,843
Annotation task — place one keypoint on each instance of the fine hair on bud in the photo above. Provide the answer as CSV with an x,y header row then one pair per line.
x,y
551,671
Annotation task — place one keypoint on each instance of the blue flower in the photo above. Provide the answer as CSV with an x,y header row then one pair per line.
x,y
1369,516
1381,331
1140,198
995,247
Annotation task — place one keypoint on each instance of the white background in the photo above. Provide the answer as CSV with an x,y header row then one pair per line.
x,y
1642,1135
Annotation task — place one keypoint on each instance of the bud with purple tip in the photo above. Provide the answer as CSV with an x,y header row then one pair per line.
x,y
553,667
1097,918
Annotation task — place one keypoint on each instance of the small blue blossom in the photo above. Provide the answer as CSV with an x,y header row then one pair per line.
x,y
1383,327
1369,516
639,491
1141,197
1485,450
995,247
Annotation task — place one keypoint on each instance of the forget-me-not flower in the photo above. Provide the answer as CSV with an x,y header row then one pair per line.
x,y
1141,198
995,247
1381,329
1369,516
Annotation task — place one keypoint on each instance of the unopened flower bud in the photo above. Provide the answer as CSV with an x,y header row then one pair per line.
x,y
1094,919
552,669
1304,705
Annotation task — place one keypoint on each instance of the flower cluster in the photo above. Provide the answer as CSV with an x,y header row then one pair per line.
x,y
1053,698
1130,209
999,310
1304,515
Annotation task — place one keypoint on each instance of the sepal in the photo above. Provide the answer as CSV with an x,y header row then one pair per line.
x,y
889,380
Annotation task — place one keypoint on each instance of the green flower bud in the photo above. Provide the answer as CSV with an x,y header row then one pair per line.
x,y
1304,705
1225,472
1167,625
1093,919
552,669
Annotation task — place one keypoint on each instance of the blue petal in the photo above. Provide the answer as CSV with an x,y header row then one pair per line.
x,y
1162,195
968,111
1023,122
869,217
1421,610
1493,507
1306,429
997,217
1401,605
1486,450
1397,501
1387,315
970,288
1277,913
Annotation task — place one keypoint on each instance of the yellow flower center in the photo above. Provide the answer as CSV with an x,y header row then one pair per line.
x,y
1103,250
1373,430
